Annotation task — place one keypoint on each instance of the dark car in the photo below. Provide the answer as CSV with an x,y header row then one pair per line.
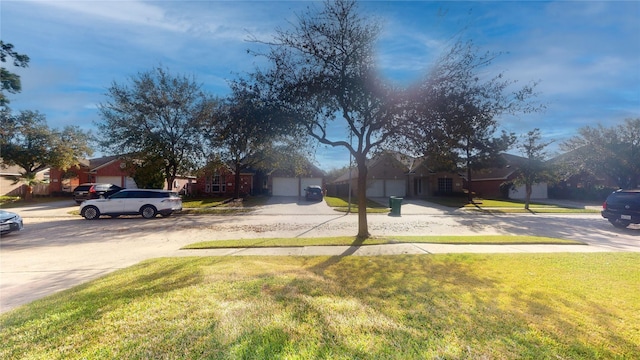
x,y
90,191
313,193
622,208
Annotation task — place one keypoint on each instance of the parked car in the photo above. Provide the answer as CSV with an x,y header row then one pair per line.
x,y
622,208
313,192
89,191
10,222
145,202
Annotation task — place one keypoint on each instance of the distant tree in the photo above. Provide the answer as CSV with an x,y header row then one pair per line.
x,y
535,170
245,127
10,81
147,172
27,141
613,151
454,113
335,173
157,116
324,70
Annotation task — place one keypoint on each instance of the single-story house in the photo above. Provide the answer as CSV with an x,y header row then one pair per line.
x,y
423,182
488,183
288,182
8,186
221,181
394,174
387,176
108,169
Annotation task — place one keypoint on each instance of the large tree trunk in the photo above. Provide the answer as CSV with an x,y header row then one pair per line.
x,y
363,226
527,197
469,186
238,178
170,181
28,193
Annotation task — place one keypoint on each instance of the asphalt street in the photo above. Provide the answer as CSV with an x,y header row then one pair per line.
x,y
57,250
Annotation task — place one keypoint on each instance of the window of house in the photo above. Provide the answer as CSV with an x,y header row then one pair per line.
x,y
445,185
218,184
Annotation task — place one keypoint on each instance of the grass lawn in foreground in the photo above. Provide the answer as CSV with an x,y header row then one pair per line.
x,y
352,240
456,306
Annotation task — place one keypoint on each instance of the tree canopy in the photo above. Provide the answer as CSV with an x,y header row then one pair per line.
x,y
454,112
535,169
10,81
613,151
158,115
245,128
27,141
323,69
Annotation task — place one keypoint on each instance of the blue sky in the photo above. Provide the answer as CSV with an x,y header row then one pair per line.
x,y
586,54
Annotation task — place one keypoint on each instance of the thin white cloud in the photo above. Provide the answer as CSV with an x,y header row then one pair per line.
x,y
127,12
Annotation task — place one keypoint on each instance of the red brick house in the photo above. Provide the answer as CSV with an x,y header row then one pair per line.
x,y
488,183
221,182
394,174
109,169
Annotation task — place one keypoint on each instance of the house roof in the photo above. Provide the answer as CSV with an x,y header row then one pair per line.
x,y
96,164
401,161
308,170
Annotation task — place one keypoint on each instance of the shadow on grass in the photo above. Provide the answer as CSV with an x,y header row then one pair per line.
x,y
409,307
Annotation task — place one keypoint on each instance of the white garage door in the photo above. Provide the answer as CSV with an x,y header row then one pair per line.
x,y
396,188
306,182
285,187
289,186
375,188
129,183
539,191
385,188
115,180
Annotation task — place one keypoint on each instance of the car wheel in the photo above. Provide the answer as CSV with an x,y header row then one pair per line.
x,y
90,213
619,223
148,212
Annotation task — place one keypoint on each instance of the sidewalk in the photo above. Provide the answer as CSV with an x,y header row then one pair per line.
x,y
392,249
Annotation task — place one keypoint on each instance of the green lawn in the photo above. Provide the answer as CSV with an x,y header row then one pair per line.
x,y
457,306
505,206
342,204
351,240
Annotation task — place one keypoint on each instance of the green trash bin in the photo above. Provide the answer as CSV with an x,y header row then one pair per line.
x,y
396,204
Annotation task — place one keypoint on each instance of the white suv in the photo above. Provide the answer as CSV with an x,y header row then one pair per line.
x,y
145,202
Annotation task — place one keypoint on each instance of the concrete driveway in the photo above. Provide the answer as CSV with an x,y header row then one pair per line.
x,y
57,250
